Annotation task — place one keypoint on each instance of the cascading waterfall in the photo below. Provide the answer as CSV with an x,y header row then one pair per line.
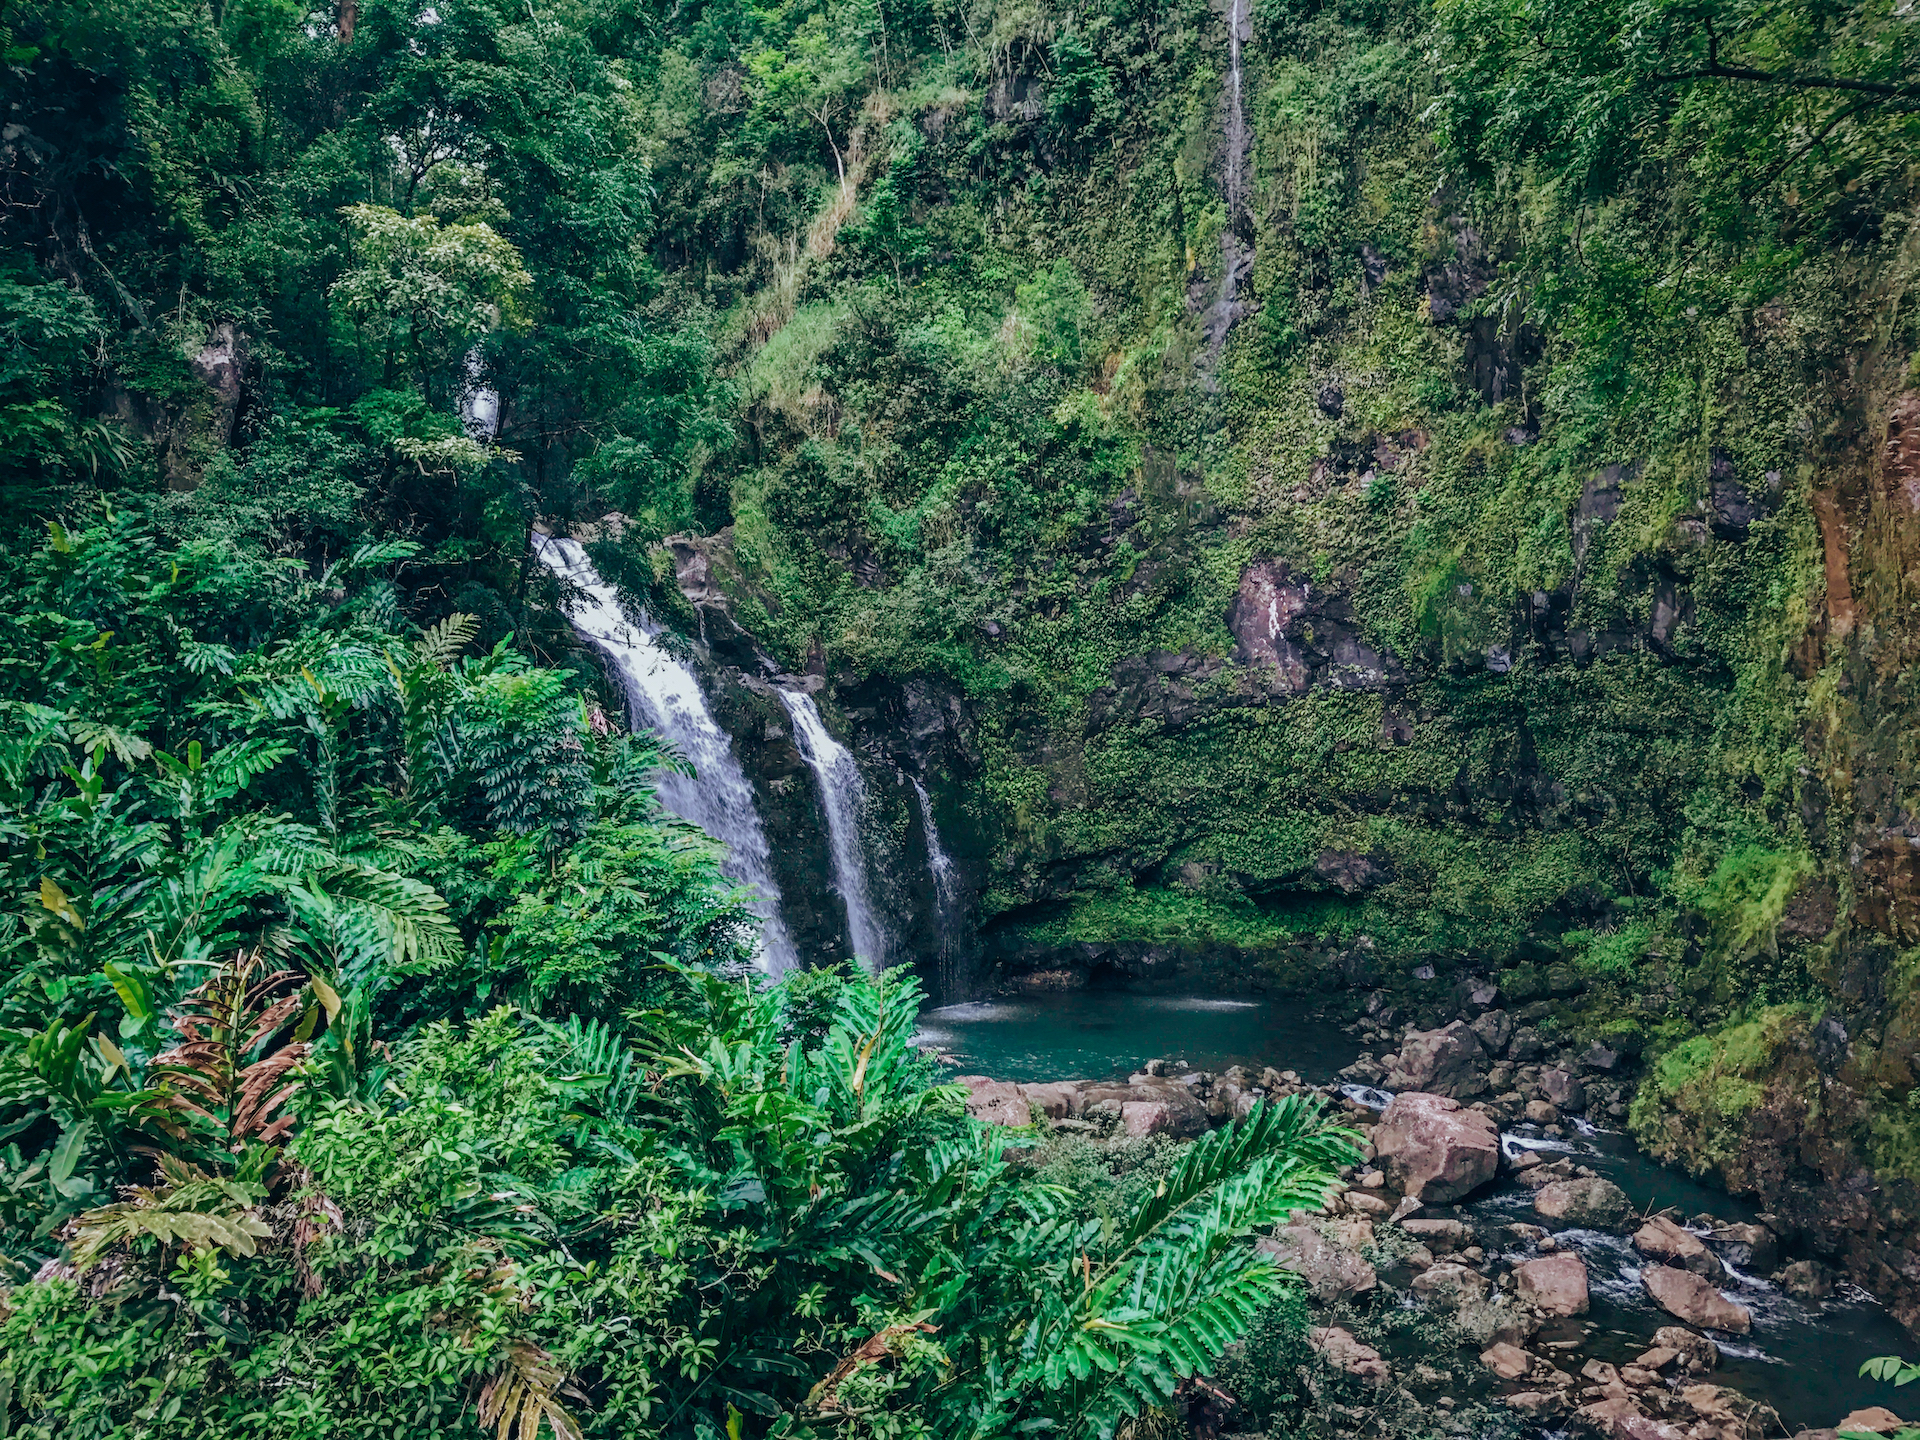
x,y
842,796
946,899
665,696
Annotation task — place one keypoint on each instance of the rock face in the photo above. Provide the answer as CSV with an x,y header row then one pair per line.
x,y
1683,1294
1664,1240
1587,1204
1553,1284
1448,1061
1434,1150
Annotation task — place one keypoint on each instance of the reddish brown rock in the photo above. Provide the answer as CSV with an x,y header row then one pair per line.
x,y
1683,1294
1433,1149
1588,1204
1344,1352
1553,1284
1509,1362
1057,1100
1664,1240
1448,1061
995,1102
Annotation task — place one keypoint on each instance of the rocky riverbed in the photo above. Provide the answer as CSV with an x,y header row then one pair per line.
x,y
1481,1271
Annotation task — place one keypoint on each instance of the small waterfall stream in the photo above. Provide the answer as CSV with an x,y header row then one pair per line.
x,y
946,898
1236,254
842,796
665,696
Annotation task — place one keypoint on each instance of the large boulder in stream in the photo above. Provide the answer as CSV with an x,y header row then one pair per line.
x,y
1664,1240
1433,1149
1586,1204
1693,1299
1553,1284
1448,1061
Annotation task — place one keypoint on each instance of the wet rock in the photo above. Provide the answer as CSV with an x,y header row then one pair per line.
x,y
1553,1284
1664,1240
1448,1061
1563,1089
1433,1150
1587,1204
1691,1298
1806,1280
1346,1353
1057,1100
995,1102
1697,1351
1544,1172
1540,1112
1751,1247
1330,1272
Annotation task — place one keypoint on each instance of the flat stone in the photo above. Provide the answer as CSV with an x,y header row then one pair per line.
x,y
1656,1359
1553,1284
1691,1298
1876,1419
1433,1149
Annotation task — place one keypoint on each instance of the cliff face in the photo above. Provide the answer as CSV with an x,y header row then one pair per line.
x,y
1285,565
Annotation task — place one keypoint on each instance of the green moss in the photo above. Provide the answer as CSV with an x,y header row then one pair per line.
x,y
1690,1107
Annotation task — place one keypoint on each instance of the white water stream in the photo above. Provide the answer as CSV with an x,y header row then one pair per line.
x,y
842,796
665,696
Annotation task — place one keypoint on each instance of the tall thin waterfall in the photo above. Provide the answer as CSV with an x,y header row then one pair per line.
x,y
665,696
842,795
946,899
1236,255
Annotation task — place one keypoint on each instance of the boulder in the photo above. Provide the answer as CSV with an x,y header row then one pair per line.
x,y
1657,1359
1329,1271
1618,1418
1664,1240
1875,1419
1585,1204
1448,1061
1346,1353
1730,1413
1539,1112
1509,1362
1434,1150
1493,1030
1806,1280
1553,1284
1367,1203
1690,1297
1699,1353
1751,1247
1057,1100
1440,1236
995,1102
1140,1118
1563,1090
1168,1108
1450,1282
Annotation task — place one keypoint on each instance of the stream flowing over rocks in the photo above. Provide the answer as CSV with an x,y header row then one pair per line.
x,y
1500,1260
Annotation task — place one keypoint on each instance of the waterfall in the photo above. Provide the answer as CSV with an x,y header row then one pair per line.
x,y
664,695
1236,257
946,900
842,795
